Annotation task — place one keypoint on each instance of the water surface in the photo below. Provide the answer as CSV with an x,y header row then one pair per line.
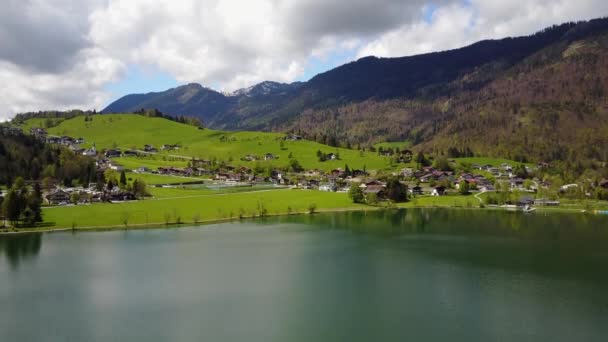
x,y
415,275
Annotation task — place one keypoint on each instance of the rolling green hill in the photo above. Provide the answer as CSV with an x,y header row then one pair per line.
x,y
128,131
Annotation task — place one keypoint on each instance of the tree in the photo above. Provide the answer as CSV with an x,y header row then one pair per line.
x,y
356,193
123,178
463,187
295,166
441,163
395,191
347,170
139,188
10,206
421,159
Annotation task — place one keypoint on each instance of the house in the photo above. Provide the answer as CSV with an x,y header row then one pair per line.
x,y
250,157
328,187
122,196
516,183
58,197
331,156
111,153
38,132
130,153
407,172
116,167
150,148
417,190
567,187
438,191
90,152
378,190
142,169
270,156
293,137
525,200
168,147
604,184
546,202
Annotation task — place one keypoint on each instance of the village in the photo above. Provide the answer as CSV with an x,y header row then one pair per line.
x,y
419,180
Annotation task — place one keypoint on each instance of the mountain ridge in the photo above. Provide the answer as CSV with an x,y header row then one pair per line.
x,y
422,98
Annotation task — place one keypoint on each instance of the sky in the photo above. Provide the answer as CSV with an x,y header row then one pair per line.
x,y
65,54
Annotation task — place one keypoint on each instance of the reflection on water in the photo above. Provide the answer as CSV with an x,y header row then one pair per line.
x,y
18,247
403,275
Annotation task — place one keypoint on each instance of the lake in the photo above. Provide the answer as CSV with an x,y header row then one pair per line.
x,y
408,275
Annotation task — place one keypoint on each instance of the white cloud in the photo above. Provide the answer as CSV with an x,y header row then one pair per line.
x,y
61,53
459,24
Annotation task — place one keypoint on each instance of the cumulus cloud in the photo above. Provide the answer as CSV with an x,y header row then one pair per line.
x,y
62,53
459,24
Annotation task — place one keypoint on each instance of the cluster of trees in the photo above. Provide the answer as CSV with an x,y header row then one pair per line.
x,y
155,113
110,179
395,191
25,156
22,206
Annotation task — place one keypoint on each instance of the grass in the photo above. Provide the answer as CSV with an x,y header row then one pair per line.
x,y
442,201
152,179
394,145
134,131
195,209
488,161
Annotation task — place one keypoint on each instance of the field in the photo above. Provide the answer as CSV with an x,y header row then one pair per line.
x,y
394,145
128,131
488,161
198,208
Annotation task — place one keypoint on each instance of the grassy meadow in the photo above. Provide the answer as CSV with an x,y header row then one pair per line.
x,y
199,208
130,131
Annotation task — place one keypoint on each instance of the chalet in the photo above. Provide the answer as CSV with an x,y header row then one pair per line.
x,y
485,187
328,187
359,173
200,162
169,147
407,172
546,202
90,152
525,200
38,132
378,190
150,148
130,153
121,196
516,183
58,196
116,167
438,191
111,153
567,187
417,190
338,173
250,157
293,137
372,183
270,156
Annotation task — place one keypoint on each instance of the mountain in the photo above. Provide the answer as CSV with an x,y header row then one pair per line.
x,y
541,96
214,108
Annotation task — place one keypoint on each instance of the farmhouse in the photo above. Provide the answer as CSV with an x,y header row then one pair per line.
x,y
438,191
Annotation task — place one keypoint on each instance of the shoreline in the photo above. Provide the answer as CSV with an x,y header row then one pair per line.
x,y
158,225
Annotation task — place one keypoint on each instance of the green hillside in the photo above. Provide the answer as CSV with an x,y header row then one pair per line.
x,y
128,131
